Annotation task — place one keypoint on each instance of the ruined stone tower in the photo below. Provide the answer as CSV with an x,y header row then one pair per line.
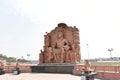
x,y
61,45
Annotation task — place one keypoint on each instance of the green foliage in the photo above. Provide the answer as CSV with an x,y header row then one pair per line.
x,y
12,59
3,56
22,60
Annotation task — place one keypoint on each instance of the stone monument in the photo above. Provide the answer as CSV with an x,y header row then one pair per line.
x,y
61,50
61,45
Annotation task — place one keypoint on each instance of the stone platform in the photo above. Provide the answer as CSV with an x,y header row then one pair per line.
x,y
40,76
53,68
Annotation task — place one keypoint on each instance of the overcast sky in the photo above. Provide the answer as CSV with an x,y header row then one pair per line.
x,y
23,24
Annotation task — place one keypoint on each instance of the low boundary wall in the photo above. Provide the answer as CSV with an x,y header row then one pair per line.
x,y
23,68
107,72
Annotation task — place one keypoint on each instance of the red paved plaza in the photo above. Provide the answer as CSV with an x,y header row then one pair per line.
x,y
39,76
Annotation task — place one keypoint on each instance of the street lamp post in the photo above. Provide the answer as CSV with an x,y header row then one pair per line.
x,y
88,50
110,52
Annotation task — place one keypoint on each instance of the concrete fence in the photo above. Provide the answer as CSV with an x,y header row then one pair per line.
x,y
23,68
107,72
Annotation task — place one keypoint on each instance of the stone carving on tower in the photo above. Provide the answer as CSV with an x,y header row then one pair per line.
x,y
61,45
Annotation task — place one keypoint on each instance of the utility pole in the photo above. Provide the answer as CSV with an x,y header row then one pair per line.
x,y
88,50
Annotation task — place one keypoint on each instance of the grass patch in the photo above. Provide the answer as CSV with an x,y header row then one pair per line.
x,y
105,63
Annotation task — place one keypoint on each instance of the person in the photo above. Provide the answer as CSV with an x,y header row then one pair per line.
x,y
2,67
17,65
87,67
17,69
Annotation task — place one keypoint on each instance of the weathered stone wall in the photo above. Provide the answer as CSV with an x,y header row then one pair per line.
x,y
61,45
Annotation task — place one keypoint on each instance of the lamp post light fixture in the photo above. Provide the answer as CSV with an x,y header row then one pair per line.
x,y
111,49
